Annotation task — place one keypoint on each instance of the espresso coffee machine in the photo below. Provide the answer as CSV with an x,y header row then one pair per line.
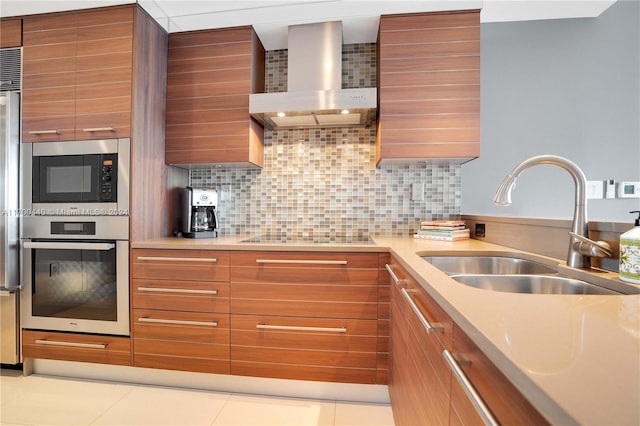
x,y
198,216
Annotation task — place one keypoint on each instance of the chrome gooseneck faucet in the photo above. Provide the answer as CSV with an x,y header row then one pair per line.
x,y
581,248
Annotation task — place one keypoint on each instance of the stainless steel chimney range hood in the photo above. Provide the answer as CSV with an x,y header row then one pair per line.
x,y
315,97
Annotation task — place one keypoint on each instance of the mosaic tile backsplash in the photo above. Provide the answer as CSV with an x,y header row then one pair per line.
x,y
322,184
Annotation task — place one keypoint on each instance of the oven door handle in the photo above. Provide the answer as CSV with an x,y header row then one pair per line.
x,y
67,246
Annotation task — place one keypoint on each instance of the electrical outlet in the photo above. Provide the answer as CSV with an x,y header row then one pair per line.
x,y
595,190
480,230
417,191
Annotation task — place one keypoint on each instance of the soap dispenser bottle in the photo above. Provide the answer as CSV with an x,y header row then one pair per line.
x,y
630,253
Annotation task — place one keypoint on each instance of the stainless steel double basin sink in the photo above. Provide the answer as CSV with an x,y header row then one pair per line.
x,y
511,274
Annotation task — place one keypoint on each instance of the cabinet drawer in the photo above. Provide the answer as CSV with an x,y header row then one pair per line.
x,y
174,295
426,305
314,349
193,327
76,347
187,265
428,373
303,333
505,402
406,384
320,300
288,260
184,341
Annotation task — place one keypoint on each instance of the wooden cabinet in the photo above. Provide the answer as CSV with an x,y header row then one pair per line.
x,y
211,74
76,347
429,86
384,311
506,404
10,32
419,379
423,386
306,316
98,74
77,75
180,310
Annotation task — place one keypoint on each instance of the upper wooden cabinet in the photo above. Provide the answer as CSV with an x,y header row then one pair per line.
x,y
211,74
10,32
429,87
77,75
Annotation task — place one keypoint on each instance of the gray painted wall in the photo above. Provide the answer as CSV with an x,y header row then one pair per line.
x,y
567,87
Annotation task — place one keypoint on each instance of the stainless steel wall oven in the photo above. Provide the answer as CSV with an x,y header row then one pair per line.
x,y
76,274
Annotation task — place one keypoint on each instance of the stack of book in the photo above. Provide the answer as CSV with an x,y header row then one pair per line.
x,y
443,230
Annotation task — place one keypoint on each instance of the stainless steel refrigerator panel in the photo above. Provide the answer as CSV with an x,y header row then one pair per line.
x,y
9,198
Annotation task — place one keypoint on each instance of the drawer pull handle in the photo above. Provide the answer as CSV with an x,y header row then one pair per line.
x,y
99,129
181,322
303,262
176,290
394,277
299,328
72,344
431,328
177,259
44,132
471,392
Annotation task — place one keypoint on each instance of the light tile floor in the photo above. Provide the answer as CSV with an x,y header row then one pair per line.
x,y
44,400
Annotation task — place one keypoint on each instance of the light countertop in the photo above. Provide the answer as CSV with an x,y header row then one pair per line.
x,y
575,357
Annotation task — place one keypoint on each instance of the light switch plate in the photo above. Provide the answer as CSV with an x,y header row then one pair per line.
x,y
595,190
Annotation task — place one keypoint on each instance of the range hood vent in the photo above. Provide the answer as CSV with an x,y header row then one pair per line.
x,y
315,97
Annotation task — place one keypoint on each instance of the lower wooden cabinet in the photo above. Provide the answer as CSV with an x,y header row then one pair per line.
x,y
330,350
76,347
505,403
180,310
419,380
305,315
175,340
427,389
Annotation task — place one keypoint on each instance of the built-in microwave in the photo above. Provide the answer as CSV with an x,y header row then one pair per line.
x,y
76,177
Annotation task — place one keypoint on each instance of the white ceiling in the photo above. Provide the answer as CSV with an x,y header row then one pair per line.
x,y
271,18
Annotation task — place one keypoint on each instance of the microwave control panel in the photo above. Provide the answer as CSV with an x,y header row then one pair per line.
x,y
107,177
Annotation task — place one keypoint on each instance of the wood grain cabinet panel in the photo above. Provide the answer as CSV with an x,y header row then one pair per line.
x,y
507,405
384,323
10,32
306,316
304,348
419,376
93,51
76,347
429,86
211,74
185,265
186,341
190,296
422,386
180,310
